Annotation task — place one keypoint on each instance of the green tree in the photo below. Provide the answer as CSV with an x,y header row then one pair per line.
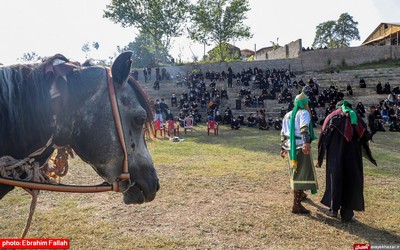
x,y
219,22
142,57
159,20
229,52
336,34
346,30
325,35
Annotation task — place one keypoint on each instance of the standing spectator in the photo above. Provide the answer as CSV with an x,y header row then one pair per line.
x,y
230,79
163,74
149,72
136,75
145,75
344,137
158,76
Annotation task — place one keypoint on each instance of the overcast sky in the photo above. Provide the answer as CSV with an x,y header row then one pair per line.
x,y
47,27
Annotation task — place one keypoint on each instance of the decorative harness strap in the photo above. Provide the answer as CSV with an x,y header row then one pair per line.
x,y
118,124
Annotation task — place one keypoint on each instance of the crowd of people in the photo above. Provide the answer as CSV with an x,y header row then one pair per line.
x,y
312,106
203,93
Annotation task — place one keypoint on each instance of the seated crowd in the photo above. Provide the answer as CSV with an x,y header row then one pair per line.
x,y
202,94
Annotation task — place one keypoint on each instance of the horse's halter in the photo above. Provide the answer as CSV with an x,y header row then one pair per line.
x,y
124,176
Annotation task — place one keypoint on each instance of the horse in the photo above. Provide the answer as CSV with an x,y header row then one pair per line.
x,y
59,103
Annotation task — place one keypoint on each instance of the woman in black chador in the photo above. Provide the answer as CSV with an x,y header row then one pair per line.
x,y
344,137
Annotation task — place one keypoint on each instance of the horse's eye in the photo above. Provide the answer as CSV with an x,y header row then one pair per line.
x,y
125,101
140,120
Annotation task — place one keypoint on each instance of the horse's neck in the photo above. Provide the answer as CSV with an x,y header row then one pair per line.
x,y
25,118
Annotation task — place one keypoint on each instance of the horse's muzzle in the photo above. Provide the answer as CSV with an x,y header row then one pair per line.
x,y
138,194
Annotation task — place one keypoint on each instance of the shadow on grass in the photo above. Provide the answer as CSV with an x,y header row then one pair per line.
x,y
357,228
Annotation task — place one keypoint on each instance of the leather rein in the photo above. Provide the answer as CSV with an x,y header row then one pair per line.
x,y
124,176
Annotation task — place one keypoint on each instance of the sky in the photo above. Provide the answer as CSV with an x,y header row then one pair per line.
x,y
48,27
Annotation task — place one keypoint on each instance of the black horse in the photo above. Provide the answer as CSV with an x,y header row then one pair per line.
x,y
60,103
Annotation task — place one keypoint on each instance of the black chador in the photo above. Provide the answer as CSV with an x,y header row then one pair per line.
x,y
344,142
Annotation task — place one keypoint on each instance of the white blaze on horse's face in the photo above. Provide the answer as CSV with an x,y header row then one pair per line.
x,y
94,136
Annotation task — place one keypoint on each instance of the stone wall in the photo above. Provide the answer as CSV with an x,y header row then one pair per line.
x,y
315,60
290,50
238,66
294,48
325,58
278,53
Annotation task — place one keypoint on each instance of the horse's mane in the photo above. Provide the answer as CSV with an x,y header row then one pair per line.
x,y
25,111
143,99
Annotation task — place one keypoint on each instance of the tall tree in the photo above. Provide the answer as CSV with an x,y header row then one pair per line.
x,y
346,30
142,57
160,20
325,35
219,22
336,34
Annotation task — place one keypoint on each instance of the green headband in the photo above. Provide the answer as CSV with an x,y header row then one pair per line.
x,y
346,109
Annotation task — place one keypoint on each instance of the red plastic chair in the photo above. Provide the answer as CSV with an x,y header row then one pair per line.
x,y
188,124
212,125
172,126
158,126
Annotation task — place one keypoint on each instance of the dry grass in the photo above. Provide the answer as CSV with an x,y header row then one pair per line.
x,y
225,192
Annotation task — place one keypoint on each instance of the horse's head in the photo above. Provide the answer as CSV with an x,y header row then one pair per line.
x,y
85,121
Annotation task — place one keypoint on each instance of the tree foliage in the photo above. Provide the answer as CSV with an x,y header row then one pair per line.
x,y
86,48
30,57
336,34
159,20
142,57
229,52
219,22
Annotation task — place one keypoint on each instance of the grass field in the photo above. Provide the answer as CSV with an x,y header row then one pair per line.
x,y
217,192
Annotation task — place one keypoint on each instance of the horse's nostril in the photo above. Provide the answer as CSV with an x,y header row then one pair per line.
x,y
133,146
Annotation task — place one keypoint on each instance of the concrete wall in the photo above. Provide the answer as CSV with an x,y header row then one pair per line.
x,y
325,58
307,61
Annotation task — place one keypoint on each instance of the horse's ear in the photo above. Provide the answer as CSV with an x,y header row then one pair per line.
x,y
121,67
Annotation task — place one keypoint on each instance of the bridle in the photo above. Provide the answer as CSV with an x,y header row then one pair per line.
x,y
115,186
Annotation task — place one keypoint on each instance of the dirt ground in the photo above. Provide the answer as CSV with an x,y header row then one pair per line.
x,y
231,209
194,212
